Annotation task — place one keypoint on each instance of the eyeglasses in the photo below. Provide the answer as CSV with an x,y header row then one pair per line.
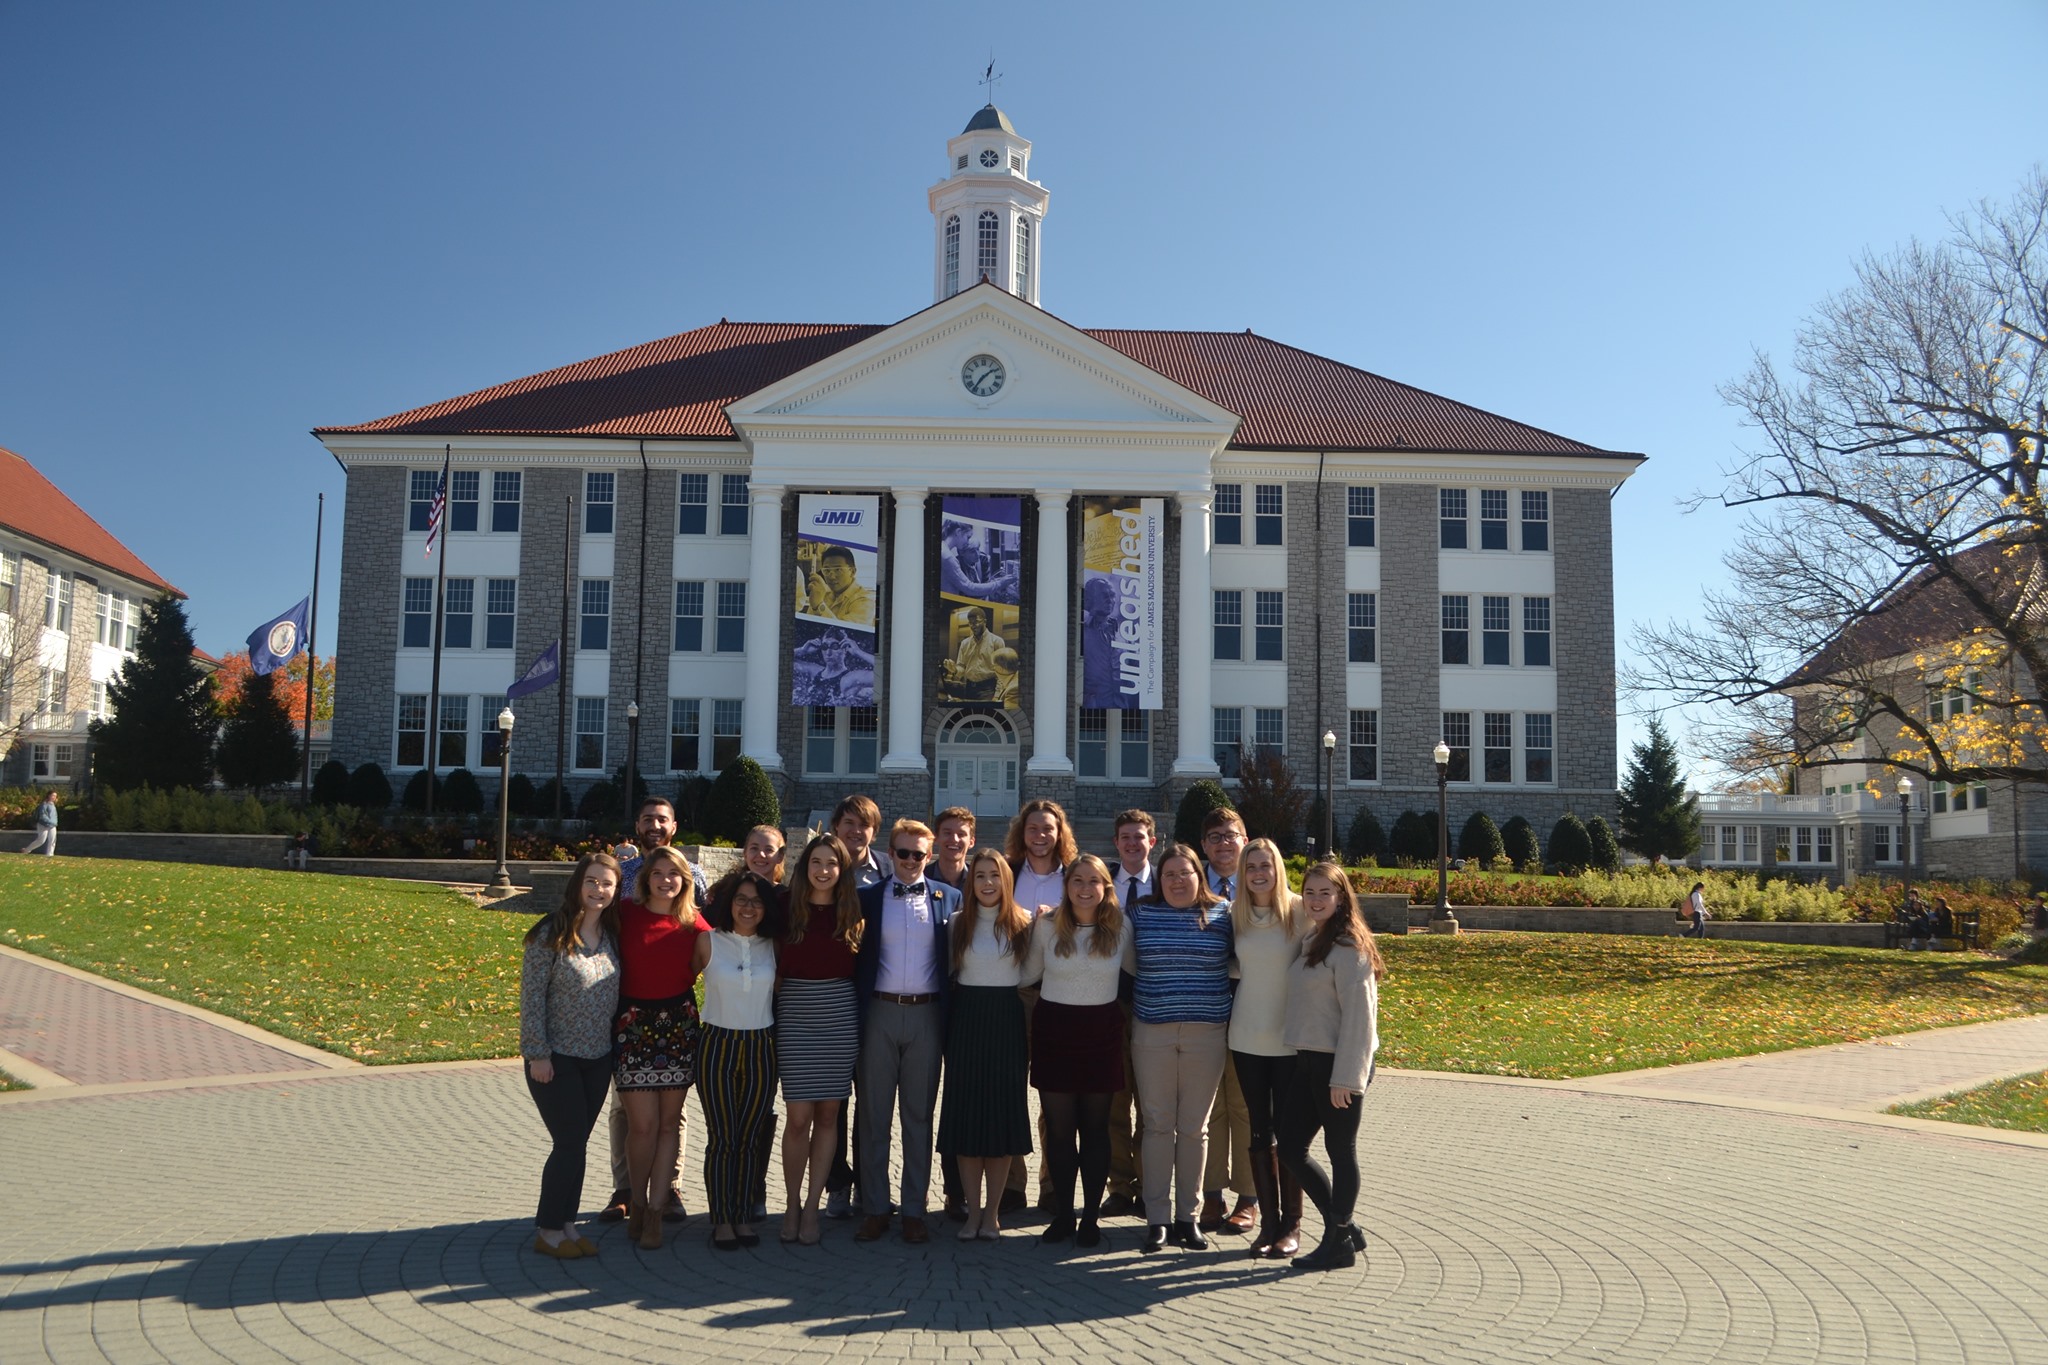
x,y
1224,836
912,855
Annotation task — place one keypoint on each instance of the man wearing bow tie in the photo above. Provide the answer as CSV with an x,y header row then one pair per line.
x,y
901,979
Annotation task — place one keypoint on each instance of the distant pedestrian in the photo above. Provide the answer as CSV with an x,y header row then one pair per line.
x,y
46,828
1696,904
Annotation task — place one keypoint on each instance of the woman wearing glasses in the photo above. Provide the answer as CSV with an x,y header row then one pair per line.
x,y
737,1052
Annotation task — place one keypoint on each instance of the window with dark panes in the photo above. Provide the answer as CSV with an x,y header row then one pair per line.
x,y
1457,619
412,731
505,500
1536,520
1229,623
1134,748
1365,746
1228,516
1269,731
1500,746
689,637
1362,517
732,618
419,615
1092,742
492,753
821,739
1496,618
733,492
458,619
1269,509
596,614
419,505
725,732
590,719
1269,626
693,504
465,487
684,732
1450,513
1364,622
1227,736
863,738
598,491
501,612
1537,748
454,732
1493,518
1458,739
1536,632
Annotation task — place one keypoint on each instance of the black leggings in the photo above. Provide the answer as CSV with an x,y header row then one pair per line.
x,y
1076,1119
1305,1109
569,1105
1264,1081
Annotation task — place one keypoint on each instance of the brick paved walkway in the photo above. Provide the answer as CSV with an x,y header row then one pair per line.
x,y
84,1030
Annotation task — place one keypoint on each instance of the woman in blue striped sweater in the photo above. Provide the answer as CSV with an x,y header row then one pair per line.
x,y
1180,948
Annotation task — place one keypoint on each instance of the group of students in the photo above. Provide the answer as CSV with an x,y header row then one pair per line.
x,y
1180,987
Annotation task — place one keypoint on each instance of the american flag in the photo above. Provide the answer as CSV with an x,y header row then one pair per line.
x,y
439,511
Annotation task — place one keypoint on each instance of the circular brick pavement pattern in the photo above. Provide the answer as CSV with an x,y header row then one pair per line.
x,y
387,1216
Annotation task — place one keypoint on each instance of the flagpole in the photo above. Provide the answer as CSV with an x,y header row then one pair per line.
x,y
440,592
562,654
312,655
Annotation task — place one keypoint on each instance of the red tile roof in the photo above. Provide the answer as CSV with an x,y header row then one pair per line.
x,y
1929,610
30,505
1289,399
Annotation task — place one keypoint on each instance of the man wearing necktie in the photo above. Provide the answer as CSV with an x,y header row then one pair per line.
x,y
902,983
1136,834
1230,1120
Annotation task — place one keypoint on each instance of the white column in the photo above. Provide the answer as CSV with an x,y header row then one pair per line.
x,y
765,608
1054,664
1197,735
905,673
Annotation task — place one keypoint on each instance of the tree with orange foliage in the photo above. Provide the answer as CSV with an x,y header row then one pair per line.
x,y
288,683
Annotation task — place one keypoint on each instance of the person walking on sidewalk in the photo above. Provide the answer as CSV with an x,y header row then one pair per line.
x,y
1696,906
46,828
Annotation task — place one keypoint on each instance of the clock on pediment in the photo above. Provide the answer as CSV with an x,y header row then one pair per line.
x,y
983,375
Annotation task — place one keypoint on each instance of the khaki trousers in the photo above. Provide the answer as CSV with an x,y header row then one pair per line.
x,y
1230,1139
1179,1067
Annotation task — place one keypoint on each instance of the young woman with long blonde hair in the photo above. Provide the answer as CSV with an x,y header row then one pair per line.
x,y
1268,925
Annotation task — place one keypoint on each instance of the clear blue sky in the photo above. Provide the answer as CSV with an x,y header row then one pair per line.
x,y
227,223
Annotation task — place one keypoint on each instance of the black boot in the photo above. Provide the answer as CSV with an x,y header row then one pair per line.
x,y
1266,1182
1289,1240
1335,1253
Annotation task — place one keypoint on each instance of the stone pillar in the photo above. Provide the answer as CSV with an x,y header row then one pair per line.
x,y
765,610
904,754
547,522
1197,727
1053,665
366,622
1411,644
1582,619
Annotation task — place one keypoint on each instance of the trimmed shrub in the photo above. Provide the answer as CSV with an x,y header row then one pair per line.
x,y
1524,849
415,797
1570,850
1365,838
369,789
740,799
1480,839
1203,797
521,795
460,794
690,795
639,786
1606,850
599,803
330,784
1413,842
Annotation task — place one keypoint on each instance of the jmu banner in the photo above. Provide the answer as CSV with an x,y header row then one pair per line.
x,y
836,586
980,566
1123,543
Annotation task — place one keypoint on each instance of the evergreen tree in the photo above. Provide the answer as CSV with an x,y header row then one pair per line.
x,y
369,790
1570,850
258,746
1413,842
1480,839
1660,819
1606,852
330,783
1525,850
740,799
1202,797
1366,839
160,732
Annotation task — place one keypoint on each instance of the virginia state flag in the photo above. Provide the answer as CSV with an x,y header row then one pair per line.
x,y
272,644
542,672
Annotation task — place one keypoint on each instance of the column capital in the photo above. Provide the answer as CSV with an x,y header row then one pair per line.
x,y
1194,499
1052,494
764,492
911,493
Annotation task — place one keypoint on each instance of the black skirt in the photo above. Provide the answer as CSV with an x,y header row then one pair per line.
x,y
985,1111
1077,1049
657,1043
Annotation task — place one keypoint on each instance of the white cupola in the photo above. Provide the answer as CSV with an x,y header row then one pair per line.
x,y
987,213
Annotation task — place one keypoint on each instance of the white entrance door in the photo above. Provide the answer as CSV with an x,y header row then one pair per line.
x,y
978,757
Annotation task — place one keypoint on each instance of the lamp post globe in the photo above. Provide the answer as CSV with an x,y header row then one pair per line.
x,y
501,880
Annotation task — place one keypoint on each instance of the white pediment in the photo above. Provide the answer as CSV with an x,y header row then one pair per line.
x,y
1054,378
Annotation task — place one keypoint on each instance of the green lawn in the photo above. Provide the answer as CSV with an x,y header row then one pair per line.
x,y
375,970
2020,1104
398,972
1563,1005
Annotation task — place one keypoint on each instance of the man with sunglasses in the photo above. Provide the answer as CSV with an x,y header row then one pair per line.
x,y
903,986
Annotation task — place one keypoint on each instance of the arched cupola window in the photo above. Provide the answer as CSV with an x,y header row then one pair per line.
x,y
1023,258
991,233
952,255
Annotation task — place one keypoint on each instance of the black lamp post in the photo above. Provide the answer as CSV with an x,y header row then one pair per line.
x,y
1905,837
1330,795
632,756
501,881
1445,921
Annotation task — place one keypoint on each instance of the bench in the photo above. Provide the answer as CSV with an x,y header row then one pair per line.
x,y
1965,935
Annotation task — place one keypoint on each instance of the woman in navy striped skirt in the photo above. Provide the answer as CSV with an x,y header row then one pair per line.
x,y
817,1023
736,1051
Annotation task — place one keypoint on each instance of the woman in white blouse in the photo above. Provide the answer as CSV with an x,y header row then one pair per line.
x,y
985,1119
736,1051
1268,924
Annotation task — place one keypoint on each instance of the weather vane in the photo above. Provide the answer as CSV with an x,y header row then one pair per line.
x,y
991,78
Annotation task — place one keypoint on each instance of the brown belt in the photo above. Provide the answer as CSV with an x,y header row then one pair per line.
x,y
895,999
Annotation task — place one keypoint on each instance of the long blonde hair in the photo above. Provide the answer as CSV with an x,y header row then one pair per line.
x,y
1013,921
845,895
685,908
1109,916
1285,903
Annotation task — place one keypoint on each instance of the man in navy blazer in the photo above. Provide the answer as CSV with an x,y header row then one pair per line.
x,y
903,982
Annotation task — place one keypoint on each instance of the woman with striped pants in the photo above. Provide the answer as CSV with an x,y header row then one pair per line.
x,y
736,1052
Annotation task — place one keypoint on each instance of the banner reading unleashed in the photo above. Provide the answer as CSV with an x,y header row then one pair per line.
x,y
836,585
1123,541
980,561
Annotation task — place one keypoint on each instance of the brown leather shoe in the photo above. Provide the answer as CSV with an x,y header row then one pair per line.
x,y
616,1211
914,1231
873,1228
1243,1218
1211,1216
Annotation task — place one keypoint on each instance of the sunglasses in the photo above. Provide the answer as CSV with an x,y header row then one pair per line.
x,y
910,855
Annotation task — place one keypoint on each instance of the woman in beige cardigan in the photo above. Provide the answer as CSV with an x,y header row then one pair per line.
x,y
1333,1026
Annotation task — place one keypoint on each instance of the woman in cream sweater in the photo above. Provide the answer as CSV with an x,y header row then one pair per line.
x,y
1268,923
1333,1026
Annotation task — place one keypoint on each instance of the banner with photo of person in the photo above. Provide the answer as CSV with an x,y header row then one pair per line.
x,y
838,584
980,568
1123,623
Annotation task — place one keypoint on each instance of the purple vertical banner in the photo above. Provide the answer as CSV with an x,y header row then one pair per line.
x,y
980,565
837,568
1122,581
